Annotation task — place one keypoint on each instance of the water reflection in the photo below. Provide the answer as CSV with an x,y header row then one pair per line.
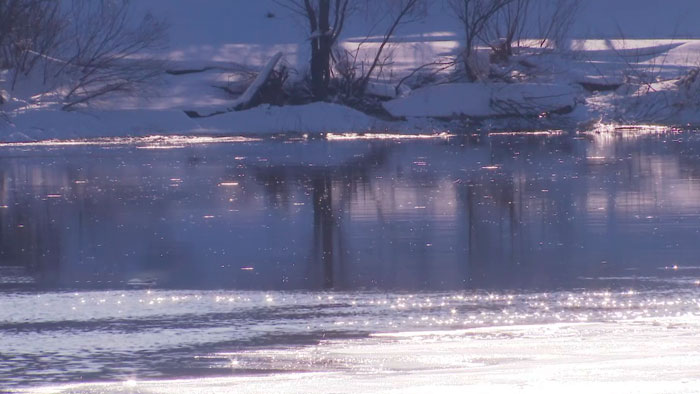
x,y
501,211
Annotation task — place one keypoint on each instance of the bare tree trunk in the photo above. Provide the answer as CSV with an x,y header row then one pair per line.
x,y
326,20
321,45
470,42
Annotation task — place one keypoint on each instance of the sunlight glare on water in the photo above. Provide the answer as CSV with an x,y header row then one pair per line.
x,y
146,142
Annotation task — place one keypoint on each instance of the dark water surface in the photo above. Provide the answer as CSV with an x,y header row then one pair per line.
x,y
120,261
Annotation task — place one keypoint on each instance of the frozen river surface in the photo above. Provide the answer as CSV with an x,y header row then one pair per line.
x,y
493,263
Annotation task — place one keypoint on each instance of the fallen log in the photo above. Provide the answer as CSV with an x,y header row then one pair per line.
x,y
247,97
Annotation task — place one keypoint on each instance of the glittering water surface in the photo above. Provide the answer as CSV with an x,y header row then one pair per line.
x,y
223,258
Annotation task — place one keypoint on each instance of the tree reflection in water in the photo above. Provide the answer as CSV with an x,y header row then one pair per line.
x,y
487,212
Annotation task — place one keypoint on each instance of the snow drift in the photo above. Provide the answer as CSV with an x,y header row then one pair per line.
x,y
481,100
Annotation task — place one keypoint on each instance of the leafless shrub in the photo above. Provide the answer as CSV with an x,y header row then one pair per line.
x,y
475,16
346,69
555,18
107,52
502,25
400,12
643,68
547,21
506,27
90,48
427,74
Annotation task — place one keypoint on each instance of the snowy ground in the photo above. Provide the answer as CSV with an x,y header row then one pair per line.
x,y
642,48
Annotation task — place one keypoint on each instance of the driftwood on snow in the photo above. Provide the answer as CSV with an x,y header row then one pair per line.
x,y
245,99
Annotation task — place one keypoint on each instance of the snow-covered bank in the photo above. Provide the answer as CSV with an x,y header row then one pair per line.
x,y
625,64
481,100
263,120
627,81
50,124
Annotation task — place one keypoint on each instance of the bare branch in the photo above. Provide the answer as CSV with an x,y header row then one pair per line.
x,y
406,9
107,52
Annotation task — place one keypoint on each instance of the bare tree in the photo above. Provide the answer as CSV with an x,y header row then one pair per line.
x,y
475,16
106,53
326,19
555,20
29,31
405,11
88,48
516,21
506,27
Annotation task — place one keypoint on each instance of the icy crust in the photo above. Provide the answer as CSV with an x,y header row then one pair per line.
x,y
645,356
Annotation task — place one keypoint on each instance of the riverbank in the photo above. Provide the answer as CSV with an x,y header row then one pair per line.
x,y
607,73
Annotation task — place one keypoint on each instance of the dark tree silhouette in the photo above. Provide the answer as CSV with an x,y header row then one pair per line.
x,y
326,19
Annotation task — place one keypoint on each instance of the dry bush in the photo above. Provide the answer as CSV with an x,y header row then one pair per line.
x,y
502,25
555,18
400,12
475,17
